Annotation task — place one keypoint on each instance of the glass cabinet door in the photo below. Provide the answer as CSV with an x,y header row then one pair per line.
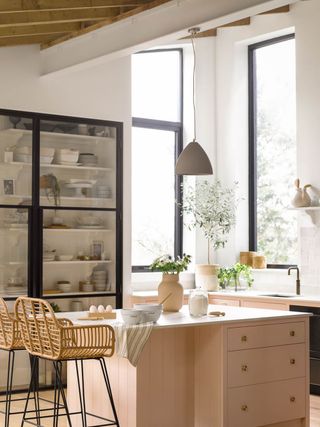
x,y
79,255
15,160
13,251
78,164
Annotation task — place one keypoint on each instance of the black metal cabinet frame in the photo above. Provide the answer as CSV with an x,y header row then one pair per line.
x,y
35,210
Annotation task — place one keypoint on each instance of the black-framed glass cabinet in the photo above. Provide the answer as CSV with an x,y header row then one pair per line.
x,y
60,214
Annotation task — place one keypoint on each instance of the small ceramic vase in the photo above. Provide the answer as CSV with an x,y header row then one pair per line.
x,y
170,286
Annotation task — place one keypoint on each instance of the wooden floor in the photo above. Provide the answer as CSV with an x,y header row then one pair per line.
x,y
15,421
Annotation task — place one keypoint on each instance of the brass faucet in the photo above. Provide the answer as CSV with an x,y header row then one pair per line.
x,y
298,278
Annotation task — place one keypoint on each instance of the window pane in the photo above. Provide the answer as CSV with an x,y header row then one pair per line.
x,y
156,85
153,195
276,151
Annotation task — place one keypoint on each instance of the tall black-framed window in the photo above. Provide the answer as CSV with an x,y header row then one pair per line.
x,y
157,140
272,150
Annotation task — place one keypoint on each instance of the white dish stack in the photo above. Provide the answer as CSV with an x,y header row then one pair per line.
x,y
100,278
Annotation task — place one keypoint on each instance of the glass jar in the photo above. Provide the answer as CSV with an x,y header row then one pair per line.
x,y
198,303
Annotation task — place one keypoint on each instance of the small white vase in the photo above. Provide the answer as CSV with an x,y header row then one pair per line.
x,y
206,276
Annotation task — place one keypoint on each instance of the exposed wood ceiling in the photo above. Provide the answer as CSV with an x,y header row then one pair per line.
x,y
50,22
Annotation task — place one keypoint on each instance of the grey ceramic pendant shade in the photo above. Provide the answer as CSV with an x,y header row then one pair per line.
x,y
193,160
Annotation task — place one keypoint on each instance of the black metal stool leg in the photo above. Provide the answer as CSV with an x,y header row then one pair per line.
x,y
83,415
108,385
58,368
9,386
33,370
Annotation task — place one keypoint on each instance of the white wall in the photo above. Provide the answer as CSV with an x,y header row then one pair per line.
x,y
102,92
232,118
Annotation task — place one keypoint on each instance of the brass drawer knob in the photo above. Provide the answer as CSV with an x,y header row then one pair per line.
x,y
244,338
244,368
292,361
244,408
292,399
292,333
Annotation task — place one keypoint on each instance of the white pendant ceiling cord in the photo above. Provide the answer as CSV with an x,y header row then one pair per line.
x,y
193,160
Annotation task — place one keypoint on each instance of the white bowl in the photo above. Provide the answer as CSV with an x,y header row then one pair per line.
x,y
71,156
23,150
65,287
65,257
46,160
87,287
47,151
151,312
131,316
25,158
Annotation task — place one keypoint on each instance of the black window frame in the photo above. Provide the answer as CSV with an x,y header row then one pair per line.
x,y
252,124
177,128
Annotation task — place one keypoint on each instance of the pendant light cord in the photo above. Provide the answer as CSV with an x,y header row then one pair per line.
x,y
193,86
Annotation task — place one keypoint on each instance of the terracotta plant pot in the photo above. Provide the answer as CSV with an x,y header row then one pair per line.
x,y
206,276
170,285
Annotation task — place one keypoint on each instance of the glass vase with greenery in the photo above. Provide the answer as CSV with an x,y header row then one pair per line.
x,y
210,207
231,276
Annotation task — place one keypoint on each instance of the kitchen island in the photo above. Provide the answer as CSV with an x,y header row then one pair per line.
x,y
248,368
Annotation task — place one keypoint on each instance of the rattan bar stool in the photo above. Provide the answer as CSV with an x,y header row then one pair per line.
x,y
45,337
10,341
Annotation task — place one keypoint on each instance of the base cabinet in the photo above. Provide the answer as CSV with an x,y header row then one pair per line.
x,y
200,377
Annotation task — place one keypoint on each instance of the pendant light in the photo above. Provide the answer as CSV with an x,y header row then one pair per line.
x,y
193,160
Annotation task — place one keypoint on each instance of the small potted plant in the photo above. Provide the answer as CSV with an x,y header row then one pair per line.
x,y
51,187
232,276
170,290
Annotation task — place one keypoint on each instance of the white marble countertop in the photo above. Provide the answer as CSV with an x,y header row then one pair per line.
x,y
183,319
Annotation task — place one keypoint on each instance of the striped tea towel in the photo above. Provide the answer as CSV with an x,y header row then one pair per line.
x,y
131,339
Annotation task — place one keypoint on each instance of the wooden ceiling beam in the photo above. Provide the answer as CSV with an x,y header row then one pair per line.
x,y
42,29
130,13
282,9
15,41
213,31
56,17
51,5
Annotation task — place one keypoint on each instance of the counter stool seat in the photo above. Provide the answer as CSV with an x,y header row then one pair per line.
x,y
46,337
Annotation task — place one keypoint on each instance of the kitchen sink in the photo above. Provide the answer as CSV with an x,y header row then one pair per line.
x,y
279,295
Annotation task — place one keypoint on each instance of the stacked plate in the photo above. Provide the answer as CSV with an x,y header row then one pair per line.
x,y
88,159
24,154
100,279
103,191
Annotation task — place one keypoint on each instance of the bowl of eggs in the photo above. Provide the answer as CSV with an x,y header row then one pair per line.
x,y
102,312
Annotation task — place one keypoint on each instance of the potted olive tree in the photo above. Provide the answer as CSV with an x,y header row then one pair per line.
x,y
211,208
170,290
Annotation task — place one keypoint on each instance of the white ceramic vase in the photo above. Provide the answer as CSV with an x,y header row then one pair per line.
x,y
206,276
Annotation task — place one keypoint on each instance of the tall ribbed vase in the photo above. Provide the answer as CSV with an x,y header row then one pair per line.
x,y
170,286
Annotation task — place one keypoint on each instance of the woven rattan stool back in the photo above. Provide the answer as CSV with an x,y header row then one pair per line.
x,y
39,327
10,337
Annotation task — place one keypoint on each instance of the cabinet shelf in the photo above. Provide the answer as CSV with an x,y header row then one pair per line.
x,y
312,211
77,262
57,136
92,294
77,230
55,166
62,198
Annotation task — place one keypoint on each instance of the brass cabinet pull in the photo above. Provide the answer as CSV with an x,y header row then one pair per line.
x,y
292,399
244,368
292,361
244,408
292,333
244,338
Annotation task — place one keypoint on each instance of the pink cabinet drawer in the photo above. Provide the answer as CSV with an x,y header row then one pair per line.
x,y
262,365
265,335
263,404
